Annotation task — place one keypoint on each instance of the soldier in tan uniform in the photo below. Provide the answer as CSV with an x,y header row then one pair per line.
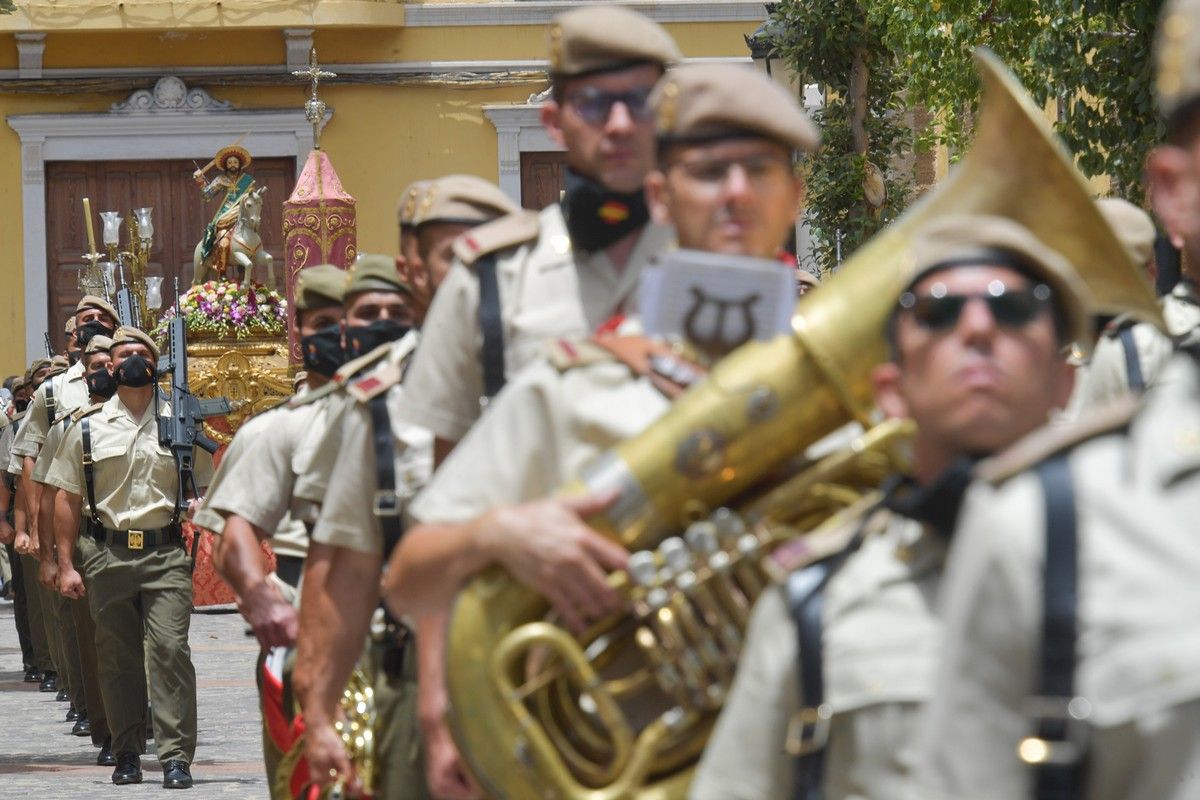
x,y
726,137
75,555
532,277
142,584
448,207
251,499
409,263
1129,355
839,659
1071,595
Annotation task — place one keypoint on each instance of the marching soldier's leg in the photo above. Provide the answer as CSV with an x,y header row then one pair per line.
x,y
50,625
401,760
85,630
167,611
72,665
33,608
119,650
21,613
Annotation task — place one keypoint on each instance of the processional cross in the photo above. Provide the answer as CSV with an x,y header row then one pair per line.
x,y
314,107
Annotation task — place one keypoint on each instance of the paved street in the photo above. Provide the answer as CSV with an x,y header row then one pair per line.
x,y
38,757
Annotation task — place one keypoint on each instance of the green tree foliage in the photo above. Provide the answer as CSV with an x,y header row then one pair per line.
x,y
7,7
1092,57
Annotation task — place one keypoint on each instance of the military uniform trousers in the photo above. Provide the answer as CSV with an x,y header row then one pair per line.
x,y
150,591
33,614
20,612
49,602
85,632
400,755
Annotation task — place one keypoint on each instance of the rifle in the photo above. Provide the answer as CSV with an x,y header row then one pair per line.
x,y
181,430
49,347
128,312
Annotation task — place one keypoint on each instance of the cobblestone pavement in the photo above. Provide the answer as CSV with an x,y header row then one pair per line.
x,y
40,759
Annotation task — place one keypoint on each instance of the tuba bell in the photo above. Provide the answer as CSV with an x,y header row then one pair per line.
x,y
624,710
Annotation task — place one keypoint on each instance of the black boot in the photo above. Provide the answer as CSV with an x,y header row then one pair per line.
x,y
72,714
106,757
83,727
176,775
62,696
32,675
49,682
129,769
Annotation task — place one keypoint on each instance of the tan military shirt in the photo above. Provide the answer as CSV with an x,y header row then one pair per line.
x,y
136,482
547,291
257,476
12,462
881,640
49,448
7,435
1138,497
70,392
538,435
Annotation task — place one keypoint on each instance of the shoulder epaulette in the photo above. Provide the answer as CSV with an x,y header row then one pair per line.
x,y
374,383
567,354
312,395
509,231
1045,442
831,538
345,374
84,411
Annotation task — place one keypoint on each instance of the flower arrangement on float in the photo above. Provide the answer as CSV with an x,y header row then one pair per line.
x,y
228,310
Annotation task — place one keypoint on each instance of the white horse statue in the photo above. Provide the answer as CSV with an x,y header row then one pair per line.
x,y
239,245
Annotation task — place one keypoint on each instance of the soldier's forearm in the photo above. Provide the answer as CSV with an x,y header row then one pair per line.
x,y
429,566
431,670
47,540
238,556
32,493
67,513
335,612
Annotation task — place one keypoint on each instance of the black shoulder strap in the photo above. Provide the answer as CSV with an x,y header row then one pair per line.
x,y
1133,362
1058,745
387,502
490,324
808,729
51,403
89,473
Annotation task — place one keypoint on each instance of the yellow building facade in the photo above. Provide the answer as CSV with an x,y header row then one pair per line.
x,y
423,89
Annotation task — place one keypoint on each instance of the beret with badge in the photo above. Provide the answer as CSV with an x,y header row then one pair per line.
x,y
127,334
374,273
962,240
98,344
321,286
708,102
410,201
604,38
465,199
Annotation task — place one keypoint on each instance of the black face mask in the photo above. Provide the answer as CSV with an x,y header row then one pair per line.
x,y
936,504
73,356
323,352
135,371
362,339
101,383
21,405
596,216
85,332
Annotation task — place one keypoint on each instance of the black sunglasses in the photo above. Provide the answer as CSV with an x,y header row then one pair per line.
x,y
596,105
1011,308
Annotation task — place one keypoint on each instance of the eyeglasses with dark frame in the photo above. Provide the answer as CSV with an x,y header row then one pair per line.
x,y
939,310
595,105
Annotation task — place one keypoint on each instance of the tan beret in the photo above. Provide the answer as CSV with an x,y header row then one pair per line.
x,y
1133,227
374,273
804,276
69,327
715,101
38,364
128,333
19,383
321,286
604,38
91,301
463,198
1177,55
976,239
98,344
410,201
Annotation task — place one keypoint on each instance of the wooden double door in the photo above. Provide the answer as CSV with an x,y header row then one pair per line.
x,y
180,214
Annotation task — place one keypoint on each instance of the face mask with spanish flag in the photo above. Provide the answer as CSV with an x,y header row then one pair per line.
x,y
597,217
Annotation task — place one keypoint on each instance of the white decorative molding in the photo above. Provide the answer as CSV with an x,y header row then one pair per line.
x,y
541,12
30,48
298,43
518,130
170,95
119,136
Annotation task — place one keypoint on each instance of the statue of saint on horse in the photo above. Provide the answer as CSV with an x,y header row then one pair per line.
x,y
232,235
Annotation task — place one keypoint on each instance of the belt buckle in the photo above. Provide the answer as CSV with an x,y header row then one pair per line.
x,y
386,504
808,730
1067,717
136,540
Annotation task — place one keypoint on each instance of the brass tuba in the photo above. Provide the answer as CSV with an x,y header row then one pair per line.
x,y
623,711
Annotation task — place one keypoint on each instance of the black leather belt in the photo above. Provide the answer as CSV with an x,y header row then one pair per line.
x,y
138,539
289,569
